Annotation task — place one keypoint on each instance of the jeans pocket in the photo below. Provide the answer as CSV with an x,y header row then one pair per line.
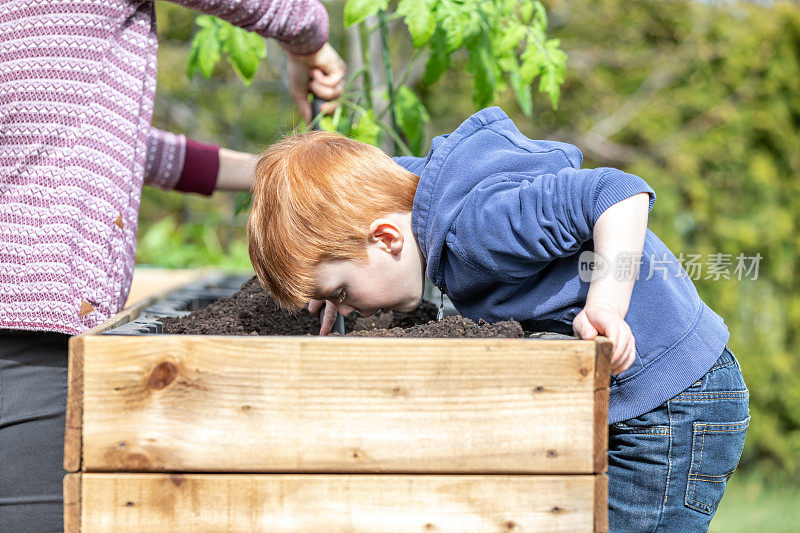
x,y
716,449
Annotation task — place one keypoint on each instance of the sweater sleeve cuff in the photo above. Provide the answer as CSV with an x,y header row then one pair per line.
x,y
165,155
613,186
200,168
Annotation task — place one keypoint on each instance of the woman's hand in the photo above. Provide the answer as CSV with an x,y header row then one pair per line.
x,y
328,317
594,320
322,73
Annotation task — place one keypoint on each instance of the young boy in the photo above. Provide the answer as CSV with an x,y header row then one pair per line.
x,y
501,224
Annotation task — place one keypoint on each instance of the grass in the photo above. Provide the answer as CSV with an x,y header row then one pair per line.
x,y
750,505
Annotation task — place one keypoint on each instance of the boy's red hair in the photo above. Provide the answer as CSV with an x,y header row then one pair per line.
x,y
314,197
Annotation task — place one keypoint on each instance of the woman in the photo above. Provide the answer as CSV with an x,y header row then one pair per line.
x,y
77,83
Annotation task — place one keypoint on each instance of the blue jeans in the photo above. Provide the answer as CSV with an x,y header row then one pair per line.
x,y
668,468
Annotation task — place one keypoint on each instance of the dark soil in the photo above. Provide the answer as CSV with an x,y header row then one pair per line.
x,y
252,311
451,326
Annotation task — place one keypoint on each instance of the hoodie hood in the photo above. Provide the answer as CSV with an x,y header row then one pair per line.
x,y
486,143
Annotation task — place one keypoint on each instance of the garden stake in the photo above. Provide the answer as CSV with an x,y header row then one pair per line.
x,y
316,109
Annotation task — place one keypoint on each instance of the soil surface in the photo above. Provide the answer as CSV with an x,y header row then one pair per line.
x,y
252,311
451,326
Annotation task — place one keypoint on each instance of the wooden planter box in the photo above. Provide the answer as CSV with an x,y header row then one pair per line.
x,y
304,434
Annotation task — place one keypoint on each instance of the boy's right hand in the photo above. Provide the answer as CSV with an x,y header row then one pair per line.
x,y
597,319
328,315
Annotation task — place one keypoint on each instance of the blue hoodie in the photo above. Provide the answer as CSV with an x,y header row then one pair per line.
x,y
501,221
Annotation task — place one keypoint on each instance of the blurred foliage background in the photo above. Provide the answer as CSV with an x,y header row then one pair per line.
x,y
701,99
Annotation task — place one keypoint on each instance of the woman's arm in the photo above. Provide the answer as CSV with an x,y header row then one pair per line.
x,y
235,170
300,26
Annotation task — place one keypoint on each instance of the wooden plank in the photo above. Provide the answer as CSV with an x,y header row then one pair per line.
x,y
72,503
601,503
74,417
314,404
604,348
336,503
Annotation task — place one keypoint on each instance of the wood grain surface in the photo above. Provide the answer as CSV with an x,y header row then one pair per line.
x,y
310,404
324,503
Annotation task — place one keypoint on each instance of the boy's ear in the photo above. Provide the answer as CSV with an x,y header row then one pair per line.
x,y
387,235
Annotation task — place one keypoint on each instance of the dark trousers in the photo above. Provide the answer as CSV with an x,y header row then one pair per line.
x,y
33,402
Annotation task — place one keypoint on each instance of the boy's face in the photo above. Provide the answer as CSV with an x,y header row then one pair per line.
x,y
392,278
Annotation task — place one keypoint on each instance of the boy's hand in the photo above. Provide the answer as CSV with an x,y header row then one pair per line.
x,y
594,320
328,317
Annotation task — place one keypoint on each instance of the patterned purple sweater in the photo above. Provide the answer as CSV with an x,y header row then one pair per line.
x,y
77,82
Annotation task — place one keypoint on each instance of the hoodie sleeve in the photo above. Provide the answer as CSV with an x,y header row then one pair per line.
x,y
410,163
510,220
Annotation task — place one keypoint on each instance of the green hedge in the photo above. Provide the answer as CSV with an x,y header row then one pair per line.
x,y
704,103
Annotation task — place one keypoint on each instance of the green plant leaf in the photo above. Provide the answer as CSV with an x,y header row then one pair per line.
x,y
411,117
532,62
243,201
540,18
367,129
357,10
552,77
419,19
480,64
526,10
438,61
327,123
523,93
452,26
510,38
205,51
206,21
244,53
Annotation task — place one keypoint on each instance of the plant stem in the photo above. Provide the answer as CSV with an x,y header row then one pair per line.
x,y
384,126
363,37
387,66
396,138
410,65
404,77
354,106
353,77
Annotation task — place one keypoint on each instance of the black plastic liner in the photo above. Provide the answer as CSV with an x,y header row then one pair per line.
x,y
181,302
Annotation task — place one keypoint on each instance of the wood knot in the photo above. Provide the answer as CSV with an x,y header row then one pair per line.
x,y
163,375
356,454
429,526
137,461
122,445
245,408
552,454
583,371
176,479
538,389
129,504
556,510
510,525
